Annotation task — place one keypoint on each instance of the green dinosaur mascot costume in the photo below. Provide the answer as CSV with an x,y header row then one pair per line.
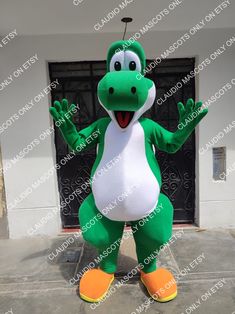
x,y
129,139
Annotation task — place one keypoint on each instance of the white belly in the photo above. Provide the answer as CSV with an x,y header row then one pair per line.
x,y
127,190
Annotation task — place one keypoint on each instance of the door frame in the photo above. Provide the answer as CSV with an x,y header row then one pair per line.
x,y
196,207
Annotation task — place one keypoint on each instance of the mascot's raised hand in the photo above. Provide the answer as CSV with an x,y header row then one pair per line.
x,y
62,114
191,114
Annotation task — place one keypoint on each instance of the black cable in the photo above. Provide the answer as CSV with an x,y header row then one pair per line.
x,y
124,31
126,20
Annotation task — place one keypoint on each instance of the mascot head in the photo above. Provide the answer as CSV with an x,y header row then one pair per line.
x,y
124,92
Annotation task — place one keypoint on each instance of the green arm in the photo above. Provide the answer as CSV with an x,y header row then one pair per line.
x,y
77,141
189,116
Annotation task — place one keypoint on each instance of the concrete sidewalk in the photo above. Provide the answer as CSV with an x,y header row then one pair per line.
x,y
36,278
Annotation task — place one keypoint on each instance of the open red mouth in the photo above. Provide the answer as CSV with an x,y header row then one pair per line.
x,y
123,117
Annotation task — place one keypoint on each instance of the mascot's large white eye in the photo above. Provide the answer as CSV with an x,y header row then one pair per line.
x,y
132,61
117,62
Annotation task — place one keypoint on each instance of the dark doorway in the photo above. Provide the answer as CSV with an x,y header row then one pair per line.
x,y
78,83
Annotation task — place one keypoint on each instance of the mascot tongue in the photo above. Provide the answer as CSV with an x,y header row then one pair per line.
x,y
123,118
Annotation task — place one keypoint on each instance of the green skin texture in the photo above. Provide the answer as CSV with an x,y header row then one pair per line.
x,y
155,230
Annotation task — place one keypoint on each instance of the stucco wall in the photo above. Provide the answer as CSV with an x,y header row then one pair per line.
x,y
2,190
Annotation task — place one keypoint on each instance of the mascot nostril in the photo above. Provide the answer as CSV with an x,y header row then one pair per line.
x,y
111,90
133,90
129,190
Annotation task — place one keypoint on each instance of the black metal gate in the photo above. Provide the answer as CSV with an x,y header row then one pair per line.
x,y
78,83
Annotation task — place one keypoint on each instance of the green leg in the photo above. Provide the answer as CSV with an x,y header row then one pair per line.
x,y
152,232
102,233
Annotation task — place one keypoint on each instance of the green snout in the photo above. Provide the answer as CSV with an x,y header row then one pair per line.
x,y
122,91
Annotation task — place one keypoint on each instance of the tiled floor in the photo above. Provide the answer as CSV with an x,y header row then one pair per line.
x,y
36,278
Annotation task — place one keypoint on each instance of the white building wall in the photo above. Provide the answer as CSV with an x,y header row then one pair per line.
x,y
215,201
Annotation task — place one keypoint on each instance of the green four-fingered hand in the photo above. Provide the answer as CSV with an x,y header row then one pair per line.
x,y
62,114
190,114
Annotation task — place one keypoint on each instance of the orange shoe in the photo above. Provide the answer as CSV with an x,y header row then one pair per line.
x,y
94,285
161,284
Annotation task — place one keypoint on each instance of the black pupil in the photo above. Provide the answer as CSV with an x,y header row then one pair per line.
x,y
117,66
132,65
